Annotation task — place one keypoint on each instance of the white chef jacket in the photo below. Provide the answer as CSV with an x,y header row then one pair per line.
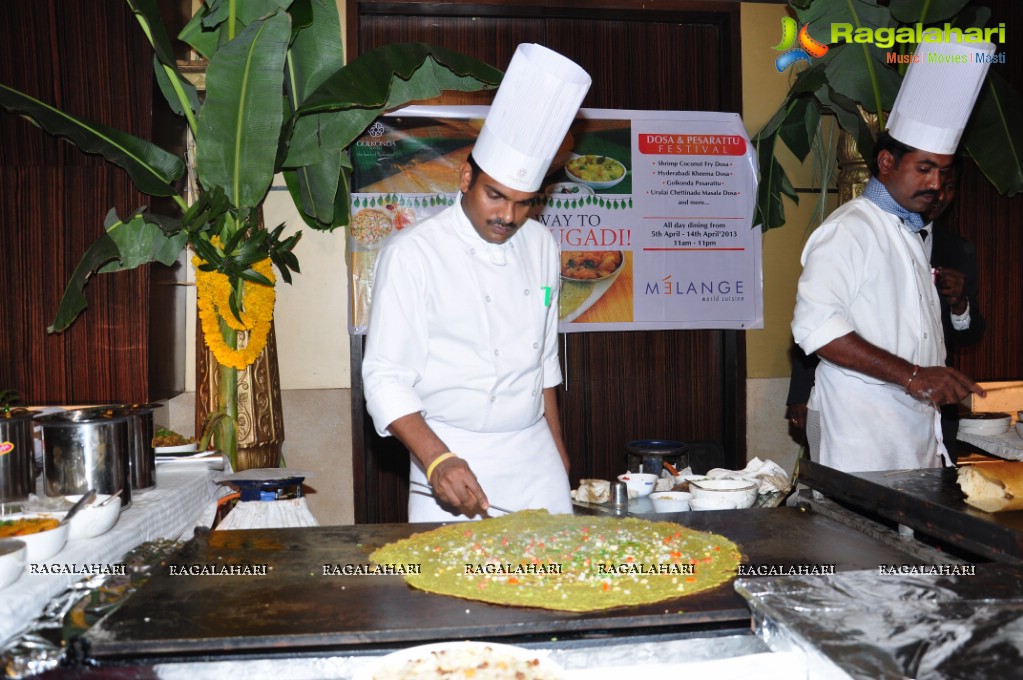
x,y
865,272
466,333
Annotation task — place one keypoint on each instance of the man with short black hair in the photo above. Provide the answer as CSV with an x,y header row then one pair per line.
x,y
866,300
461,358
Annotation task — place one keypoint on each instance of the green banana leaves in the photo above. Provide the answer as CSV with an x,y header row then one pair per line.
x,y
852,76
278,99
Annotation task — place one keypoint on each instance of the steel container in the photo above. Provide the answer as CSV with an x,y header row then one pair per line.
x,y
650,455
17,461
141,453
86,449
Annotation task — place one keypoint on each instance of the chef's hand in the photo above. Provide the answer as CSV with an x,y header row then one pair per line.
x,y
455,485
942,385
951,285
796,415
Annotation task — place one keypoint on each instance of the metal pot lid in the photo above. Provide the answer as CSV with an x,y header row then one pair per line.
x,y
263,475
15,414
656,447
133,409
98,414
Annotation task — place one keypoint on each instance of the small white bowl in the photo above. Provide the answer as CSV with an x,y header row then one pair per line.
x,y
741,492
42,544
174,450
639,483
670,501
12,560
93,520
704,503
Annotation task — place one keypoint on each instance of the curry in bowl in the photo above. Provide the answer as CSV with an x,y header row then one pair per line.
x,y
596,169
25,526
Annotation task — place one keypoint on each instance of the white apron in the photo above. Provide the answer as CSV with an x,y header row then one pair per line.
x,y
517,470
868,425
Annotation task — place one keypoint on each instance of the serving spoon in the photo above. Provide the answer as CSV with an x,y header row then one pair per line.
x,y
79,504
112,496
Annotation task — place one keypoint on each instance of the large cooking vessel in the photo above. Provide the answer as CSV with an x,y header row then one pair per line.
x,y
86,449
141,454
650,455
17,472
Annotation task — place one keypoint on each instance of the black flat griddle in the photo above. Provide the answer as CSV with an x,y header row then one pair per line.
x,y
928,501
297,609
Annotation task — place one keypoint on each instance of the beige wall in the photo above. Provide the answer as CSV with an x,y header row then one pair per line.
x,y
767,349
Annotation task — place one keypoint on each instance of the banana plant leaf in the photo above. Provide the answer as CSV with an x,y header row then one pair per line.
x,y
925,11
152,169
102,251
141,241
179,93
316,52
125,245
240,121
380,80
363,89
994,136
774,182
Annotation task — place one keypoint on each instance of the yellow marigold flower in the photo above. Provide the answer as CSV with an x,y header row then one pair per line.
x,y
213,291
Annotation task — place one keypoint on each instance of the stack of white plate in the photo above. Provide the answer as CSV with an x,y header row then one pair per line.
x,y
985,424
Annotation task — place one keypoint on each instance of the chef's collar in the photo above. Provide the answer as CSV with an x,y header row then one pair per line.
x,y
497,252
877,193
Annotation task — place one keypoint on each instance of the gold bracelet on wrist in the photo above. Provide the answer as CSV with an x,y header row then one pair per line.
x,y
916,369
437,461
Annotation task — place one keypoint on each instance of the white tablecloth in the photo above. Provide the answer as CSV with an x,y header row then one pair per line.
x,y
184,497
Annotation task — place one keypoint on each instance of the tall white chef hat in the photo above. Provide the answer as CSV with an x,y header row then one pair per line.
x,y
938,94
536,103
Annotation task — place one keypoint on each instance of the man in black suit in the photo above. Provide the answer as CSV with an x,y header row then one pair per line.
x,y
954,260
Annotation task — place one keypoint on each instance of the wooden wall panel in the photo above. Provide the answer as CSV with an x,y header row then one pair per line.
x,y
995,224
89,58
686,385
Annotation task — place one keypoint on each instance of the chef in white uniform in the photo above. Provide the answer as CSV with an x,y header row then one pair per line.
x,y
866,301
461,359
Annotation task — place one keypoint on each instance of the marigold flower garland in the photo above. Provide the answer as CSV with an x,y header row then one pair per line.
x,y
213,291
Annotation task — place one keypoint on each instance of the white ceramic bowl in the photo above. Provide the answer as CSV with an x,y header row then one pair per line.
x,y
93,520
985,424
12,560
175,450
42,545
705,503
738,491
587,177
670,501
639,483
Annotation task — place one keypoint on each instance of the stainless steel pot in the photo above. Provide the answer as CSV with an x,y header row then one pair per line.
x,y
86,449
17,464
141,454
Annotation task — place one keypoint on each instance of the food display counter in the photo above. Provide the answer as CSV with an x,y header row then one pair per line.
x,y
925,501
277,602
302,606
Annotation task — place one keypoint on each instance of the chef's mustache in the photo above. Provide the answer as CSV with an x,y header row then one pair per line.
x,y
498,222
927,192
